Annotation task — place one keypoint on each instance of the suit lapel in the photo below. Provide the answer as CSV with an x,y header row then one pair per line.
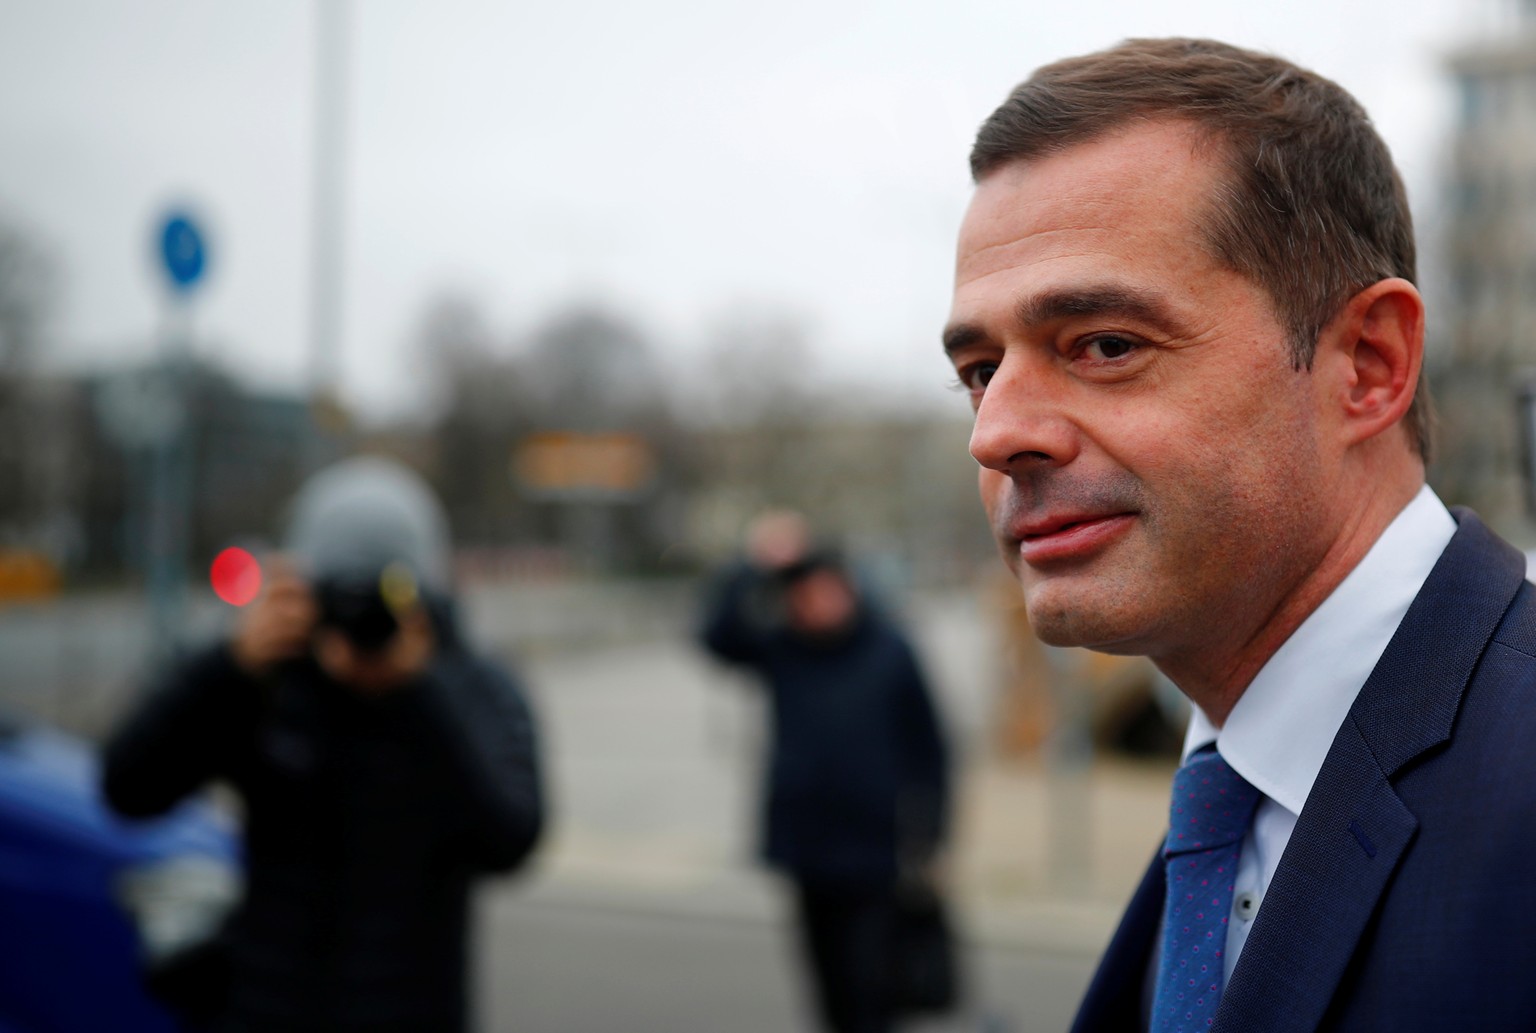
x,y
1353,830
1113,1001
1352,833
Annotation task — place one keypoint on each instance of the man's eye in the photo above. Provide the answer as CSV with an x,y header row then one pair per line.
x,y
976,377
1109,348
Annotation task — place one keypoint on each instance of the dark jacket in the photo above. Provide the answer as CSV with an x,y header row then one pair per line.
x,y
856,777
1404,899
366,819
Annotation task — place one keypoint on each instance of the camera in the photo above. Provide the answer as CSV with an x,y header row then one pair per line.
x,y
366,607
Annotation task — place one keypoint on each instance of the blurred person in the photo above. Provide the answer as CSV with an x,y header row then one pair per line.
x,y
382,766
856,793
1185,313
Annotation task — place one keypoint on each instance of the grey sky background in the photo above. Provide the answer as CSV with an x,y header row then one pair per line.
x,y
680,160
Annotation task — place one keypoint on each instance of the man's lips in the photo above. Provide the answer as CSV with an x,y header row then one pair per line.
x,y
1069,537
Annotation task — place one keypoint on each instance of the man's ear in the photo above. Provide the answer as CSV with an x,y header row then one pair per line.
x,y
1372,352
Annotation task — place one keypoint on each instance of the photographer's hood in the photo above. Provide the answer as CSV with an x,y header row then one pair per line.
x,y
359,516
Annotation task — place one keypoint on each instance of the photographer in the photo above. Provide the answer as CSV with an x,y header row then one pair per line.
x,y
382,766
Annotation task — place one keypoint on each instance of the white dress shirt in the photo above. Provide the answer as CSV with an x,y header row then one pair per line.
x,y
1285,721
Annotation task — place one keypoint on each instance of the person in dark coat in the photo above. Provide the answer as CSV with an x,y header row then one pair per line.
x,y
856,781
382,766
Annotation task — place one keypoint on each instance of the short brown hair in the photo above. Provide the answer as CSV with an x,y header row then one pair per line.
x,y
1313,209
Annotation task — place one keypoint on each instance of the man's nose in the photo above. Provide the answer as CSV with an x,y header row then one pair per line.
x,y
1021,423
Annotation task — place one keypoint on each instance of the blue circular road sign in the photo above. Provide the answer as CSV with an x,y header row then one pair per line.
x,y
181,248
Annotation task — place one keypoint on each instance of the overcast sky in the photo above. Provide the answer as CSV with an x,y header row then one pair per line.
x,y
678,158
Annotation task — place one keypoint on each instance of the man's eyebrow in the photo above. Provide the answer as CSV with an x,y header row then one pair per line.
x,y
960,336
1129,302
1066,303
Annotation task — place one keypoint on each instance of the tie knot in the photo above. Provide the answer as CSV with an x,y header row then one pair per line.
x,y
1212,805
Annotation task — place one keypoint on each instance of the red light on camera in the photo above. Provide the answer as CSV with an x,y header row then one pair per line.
x,y
236,576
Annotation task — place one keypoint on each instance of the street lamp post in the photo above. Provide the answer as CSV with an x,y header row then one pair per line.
x,y
328,225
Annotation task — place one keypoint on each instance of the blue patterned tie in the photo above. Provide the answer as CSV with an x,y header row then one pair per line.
x,y
1212,806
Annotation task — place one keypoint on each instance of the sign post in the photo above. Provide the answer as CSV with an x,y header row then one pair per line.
x,y
183,257
182,251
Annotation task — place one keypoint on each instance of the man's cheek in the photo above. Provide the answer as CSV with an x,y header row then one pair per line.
x,y
993,488
990,484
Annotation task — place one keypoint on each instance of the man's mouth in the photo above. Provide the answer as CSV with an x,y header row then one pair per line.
x,y
1068,537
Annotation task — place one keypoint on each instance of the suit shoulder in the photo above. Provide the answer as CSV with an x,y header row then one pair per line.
x,y
1518,629
1497,717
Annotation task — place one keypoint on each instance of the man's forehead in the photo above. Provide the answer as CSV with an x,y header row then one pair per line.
x,y
1139,179
1107,160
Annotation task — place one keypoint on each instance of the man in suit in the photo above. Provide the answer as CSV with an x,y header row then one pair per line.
x,y
1185,313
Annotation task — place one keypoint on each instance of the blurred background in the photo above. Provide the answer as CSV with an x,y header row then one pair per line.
x,y
614,278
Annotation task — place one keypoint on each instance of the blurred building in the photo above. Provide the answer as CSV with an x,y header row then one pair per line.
x,y
1490,261
40,525
79,453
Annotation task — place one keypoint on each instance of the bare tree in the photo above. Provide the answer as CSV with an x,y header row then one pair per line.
x,y
593,369
27,283
758,369
481,411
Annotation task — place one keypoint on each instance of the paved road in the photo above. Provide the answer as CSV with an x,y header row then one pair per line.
x,y
555,965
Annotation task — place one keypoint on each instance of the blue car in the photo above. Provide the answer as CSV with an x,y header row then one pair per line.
x,y
88,900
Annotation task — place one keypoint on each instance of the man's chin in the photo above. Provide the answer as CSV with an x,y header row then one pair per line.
x,y
1062,618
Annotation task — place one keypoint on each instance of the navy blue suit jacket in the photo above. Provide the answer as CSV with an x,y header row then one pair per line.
x,y
1406,897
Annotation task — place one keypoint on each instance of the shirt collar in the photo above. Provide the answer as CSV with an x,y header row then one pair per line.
x,y
1279,733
